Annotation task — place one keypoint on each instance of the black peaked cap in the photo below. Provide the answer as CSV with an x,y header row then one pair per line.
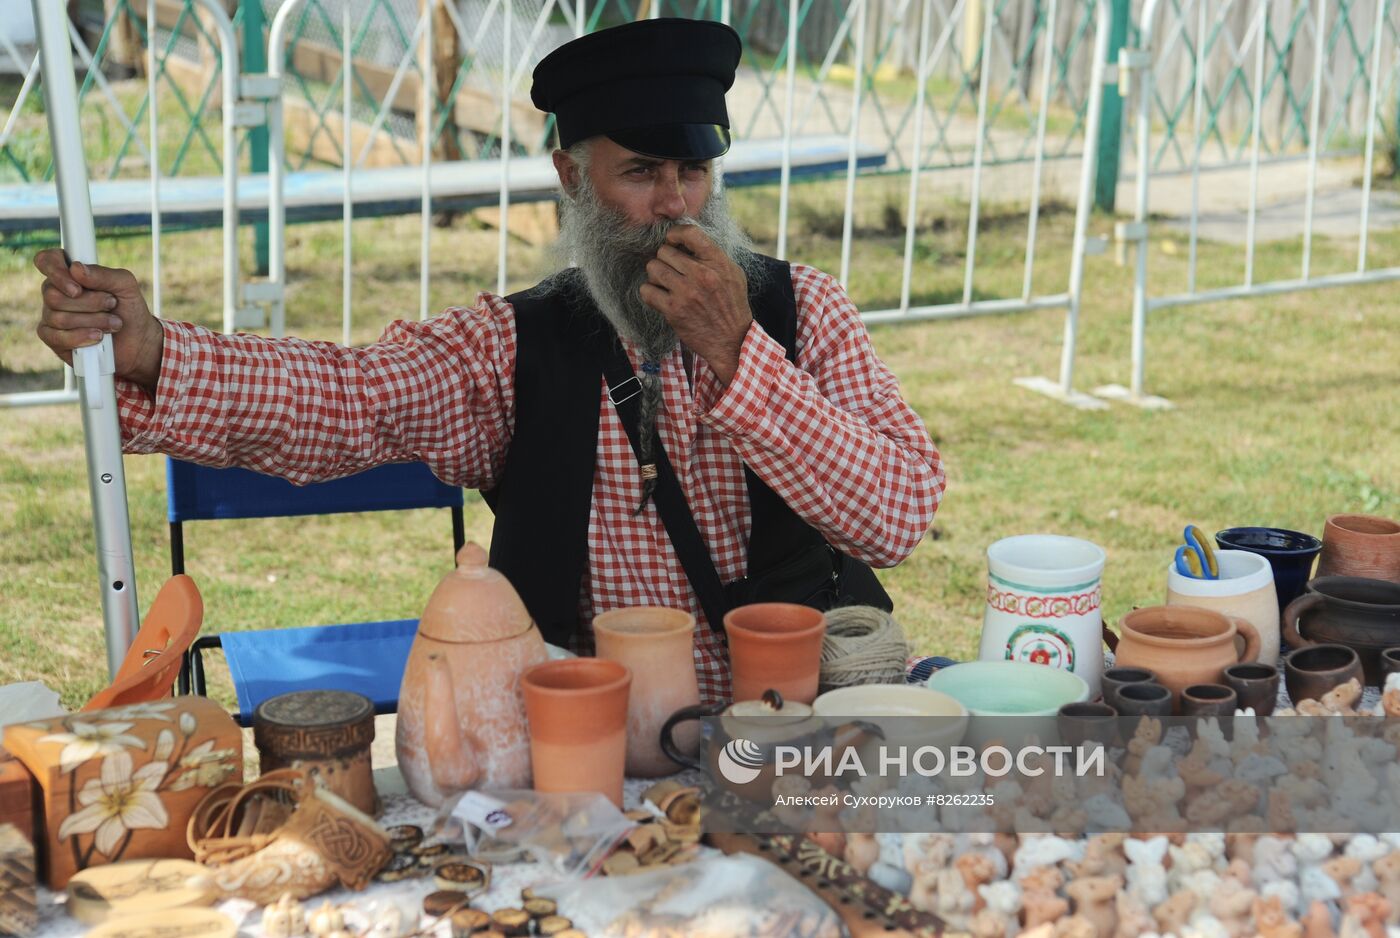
x,y
654,86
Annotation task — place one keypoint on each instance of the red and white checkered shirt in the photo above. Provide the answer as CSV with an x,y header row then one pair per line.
x,y
832,435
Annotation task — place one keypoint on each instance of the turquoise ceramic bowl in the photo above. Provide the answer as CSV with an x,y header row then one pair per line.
x,y
1009,688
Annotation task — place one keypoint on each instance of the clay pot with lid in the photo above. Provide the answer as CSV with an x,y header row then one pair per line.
x,y
1182,645
461,721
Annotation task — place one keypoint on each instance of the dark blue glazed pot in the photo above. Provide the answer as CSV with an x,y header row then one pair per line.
x,y
1290,553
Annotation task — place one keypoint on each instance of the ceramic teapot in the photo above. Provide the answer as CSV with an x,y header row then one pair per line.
x,y
461,720
747,735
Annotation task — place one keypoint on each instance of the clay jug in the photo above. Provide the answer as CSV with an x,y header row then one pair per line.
x,y
658,646
1182,645
461,720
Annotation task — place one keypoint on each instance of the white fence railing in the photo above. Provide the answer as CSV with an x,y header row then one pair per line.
x,y
1254,49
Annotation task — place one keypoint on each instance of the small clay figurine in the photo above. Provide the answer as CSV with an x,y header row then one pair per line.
x,y
325,920
1147,877
1317,923
975,870
923,891
1040,898
1365,916
861,852
1075,926
1103,856
1231,903
284,919
1093,898
1003,900
1173,914
1387,870
1390,700
1147,734
1343,870
1134,920
1241,872
955,900
1342,699
1271,922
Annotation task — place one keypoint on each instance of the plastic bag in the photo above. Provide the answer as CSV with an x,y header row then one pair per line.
x,y
570,833
714,896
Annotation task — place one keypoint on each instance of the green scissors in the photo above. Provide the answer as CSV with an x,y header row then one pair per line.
x,y
1196,559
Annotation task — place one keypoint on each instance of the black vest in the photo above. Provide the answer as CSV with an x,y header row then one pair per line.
x,y
543,497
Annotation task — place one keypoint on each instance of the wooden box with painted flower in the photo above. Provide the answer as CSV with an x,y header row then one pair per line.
x,y
121,784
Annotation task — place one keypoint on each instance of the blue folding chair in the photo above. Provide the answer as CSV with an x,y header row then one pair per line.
x,y
365,657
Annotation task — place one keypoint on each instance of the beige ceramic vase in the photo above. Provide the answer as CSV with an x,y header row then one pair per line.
x,y
461,720
658,646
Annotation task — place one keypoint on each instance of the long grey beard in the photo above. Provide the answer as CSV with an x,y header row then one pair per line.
x,y
611,254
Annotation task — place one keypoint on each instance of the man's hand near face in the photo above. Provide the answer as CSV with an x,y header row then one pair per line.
x,y
703,295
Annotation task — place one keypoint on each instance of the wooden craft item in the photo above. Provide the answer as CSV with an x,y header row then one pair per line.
x,y
325,732
19,902
186,923
120,784
131,886
868,910
18,795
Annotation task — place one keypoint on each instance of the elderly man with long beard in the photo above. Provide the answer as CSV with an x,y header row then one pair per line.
x,y
672,420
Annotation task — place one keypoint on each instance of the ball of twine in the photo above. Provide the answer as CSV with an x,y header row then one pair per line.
x,y
863,645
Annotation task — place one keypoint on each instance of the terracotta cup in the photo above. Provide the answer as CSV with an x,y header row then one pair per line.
x,y
1115,679
1256,685
1360,545
1310,672
577,710
1144,700
778,646
1183,645
1208,700
658,646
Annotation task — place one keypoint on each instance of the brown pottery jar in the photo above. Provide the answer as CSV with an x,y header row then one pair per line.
x,y
1182,645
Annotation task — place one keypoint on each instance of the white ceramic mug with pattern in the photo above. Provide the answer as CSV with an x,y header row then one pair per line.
x,y
1044,593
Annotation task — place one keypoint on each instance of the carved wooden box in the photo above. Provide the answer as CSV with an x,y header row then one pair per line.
x,y
120,784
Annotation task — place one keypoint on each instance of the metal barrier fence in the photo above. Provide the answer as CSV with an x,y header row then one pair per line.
x,y
984,91
1257,51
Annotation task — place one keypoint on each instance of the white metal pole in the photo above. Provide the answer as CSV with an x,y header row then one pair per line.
x,y
1197,103
978,148
785,178
152,104
95,364
916,157
228,53
347,205
853,143
426,195
507,89
1047,57
1144,174
1255,133
1319,54
1086,195
1370,136
277,169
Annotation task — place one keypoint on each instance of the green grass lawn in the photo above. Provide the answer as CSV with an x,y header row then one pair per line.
x,y
1281,420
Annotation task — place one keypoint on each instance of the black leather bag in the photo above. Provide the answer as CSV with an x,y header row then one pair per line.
x,y
819,576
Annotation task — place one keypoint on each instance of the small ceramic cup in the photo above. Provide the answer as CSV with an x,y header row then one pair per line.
x,y
1144,700
1310,672
577,710
1088,723
1208,700
775,646
1390,664
1115,679
1256,686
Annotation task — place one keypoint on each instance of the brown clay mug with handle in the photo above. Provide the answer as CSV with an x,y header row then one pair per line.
x,y
1182,645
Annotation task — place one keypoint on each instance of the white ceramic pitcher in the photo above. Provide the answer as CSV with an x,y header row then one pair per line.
x,y
1044,593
